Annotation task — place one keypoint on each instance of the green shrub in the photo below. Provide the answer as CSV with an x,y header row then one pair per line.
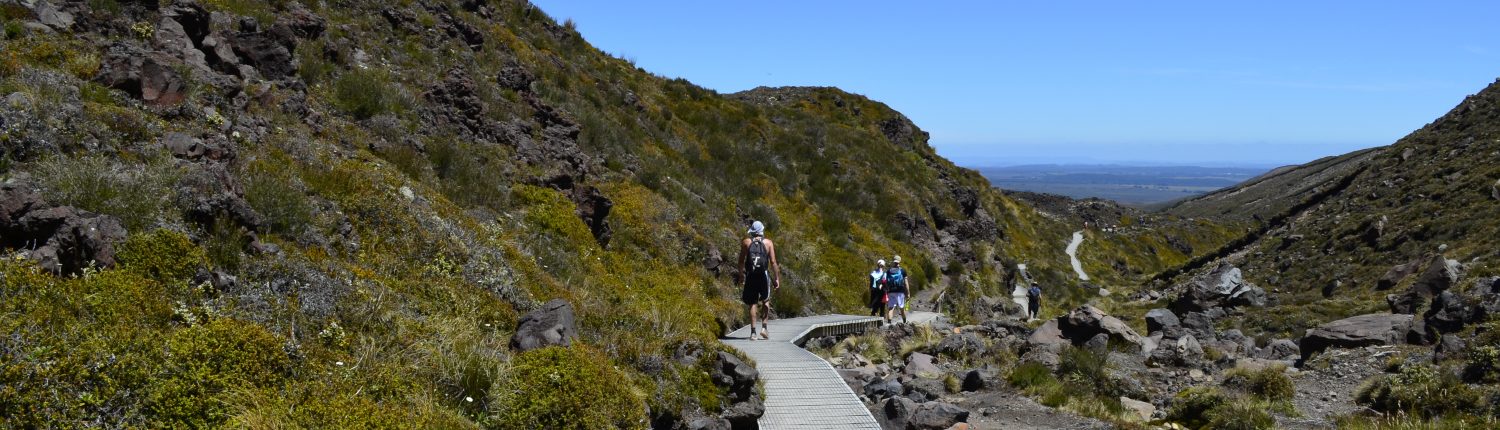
x,y
1031,374
1269,383
163,255
205,364
564,388
1240,414
1482,362
1420,390
136,194
1193,407
363,93
275,193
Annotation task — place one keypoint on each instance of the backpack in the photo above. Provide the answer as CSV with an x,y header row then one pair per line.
x,y
758,260
895,280
1034,293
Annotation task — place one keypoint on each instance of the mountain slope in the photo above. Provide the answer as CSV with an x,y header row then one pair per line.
x,y
1346,221
335,215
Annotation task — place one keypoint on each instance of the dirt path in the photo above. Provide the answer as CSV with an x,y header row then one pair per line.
x,y
1073,255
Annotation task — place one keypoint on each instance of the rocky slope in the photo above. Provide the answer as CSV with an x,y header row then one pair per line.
x,y
362,214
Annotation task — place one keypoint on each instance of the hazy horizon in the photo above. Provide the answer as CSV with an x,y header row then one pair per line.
x,y
1220,83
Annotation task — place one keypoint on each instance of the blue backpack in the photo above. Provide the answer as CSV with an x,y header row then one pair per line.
x,y
896,280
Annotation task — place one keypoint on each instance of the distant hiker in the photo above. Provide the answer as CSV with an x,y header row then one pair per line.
x,y
762,274
1033,300
896,286
877,288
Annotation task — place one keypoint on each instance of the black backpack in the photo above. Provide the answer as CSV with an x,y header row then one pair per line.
x,y
758,259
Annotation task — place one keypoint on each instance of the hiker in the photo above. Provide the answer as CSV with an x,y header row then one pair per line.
x,y
762,274
1033,300
896,286
877,288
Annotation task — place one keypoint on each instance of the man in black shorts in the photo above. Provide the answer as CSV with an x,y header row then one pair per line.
x,y
762,275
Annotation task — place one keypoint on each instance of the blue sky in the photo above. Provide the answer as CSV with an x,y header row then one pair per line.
x,y
1002,83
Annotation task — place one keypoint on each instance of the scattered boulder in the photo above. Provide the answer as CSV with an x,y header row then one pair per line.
x,y
921,364
269,52
961,345
551,324
733,374
1184,351
925,389
1280,349
302,21
897,411
51,15
1450,346
1440,275
974,380
1355,332
1082,324
1161,320
744,415
1485,299
1395,275
1448,313
1222,287
937,416
881,389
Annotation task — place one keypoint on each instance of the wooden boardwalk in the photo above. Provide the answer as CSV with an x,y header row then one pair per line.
x,y
802,390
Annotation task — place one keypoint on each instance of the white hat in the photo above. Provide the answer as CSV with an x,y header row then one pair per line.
x,y
757,229
896,260
880,262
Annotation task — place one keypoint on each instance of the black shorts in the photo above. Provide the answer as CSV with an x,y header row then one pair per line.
x,y
757,288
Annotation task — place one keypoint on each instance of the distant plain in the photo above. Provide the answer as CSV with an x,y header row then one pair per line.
x,y
1140,186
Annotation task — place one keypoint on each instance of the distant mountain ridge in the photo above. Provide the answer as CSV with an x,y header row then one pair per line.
x,y
1127,184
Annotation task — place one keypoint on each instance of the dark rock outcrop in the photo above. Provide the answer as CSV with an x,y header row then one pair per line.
x,y
149,76
1355,332
551,324
1222,287
62,239
1082,324
1164,321
961,345
734,375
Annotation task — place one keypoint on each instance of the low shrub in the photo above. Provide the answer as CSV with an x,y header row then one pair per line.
x,y
1031,374
136,194
163,255
564,388
1482,362
363,93
1269,383
205,364
1194,406
1421,390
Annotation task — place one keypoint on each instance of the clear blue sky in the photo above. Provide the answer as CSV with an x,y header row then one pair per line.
x,y
1000,83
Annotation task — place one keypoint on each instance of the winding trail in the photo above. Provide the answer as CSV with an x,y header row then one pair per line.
x,y
802,390
1073,255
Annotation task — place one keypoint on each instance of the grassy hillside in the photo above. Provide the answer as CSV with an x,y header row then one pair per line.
x,y
337,212
1343,222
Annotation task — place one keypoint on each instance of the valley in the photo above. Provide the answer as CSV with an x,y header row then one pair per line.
x,y
463,214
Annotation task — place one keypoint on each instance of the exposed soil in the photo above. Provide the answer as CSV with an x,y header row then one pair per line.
x,y
1326,386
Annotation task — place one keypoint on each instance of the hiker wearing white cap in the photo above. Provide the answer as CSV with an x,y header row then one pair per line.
x,y
896,286
762,274
877,288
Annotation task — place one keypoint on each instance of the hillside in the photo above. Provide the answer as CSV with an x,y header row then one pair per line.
x,y
271,214
1334,235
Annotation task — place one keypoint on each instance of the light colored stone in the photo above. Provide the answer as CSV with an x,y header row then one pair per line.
x,y
1142,409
